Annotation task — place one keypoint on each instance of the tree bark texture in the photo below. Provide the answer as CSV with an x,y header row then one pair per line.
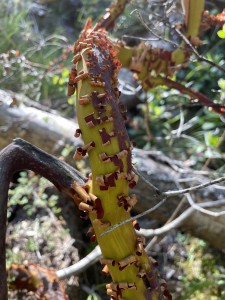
x,y
49,132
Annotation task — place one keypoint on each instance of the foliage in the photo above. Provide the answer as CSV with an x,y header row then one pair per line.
x,y
181,130
30,193
30,60
34,61
203,273
221,33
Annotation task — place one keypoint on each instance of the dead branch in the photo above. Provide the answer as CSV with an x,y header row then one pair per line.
x,y
164,196
179,220
197,54
21,155
193,188
81,265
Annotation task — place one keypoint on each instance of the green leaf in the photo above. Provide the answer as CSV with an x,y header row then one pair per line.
x,y
65,73
221,34
71,101
55,79
92,297
61,81
213,140
221,83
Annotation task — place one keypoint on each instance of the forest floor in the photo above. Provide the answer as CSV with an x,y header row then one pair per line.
x,y
39,233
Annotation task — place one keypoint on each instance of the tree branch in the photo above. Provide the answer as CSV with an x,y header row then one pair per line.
x,y
112,13
194,188
164,197
203,210
198,55
179,220
81,265
21,155
203,99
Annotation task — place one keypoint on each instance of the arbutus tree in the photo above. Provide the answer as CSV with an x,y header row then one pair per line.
x,y
104,196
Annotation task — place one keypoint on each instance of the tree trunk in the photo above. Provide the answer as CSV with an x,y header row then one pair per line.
x,y
51,132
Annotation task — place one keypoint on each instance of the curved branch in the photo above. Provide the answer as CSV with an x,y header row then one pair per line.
x,y
81,265
164,196
203,99
179,220
21,155
197,54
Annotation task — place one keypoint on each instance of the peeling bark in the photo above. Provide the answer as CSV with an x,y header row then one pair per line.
x,y
156,169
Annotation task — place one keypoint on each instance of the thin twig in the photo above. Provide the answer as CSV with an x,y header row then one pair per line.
x,y
199,56
146,117
81,265
139,38
194,188
179,220
203,210
181,125
152,32
135,217
91,292
147,182
167,195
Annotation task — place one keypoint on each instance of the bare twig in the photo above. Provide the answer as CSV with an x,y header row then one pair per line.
x,y
148,211
91,292
179,220
194,50
166,196
138,38
81,265
175,45
147,182
180,128
194,188
203,210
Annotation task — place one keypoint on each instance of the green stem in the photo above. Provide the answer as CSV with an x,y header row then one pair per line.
x,y
100,117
